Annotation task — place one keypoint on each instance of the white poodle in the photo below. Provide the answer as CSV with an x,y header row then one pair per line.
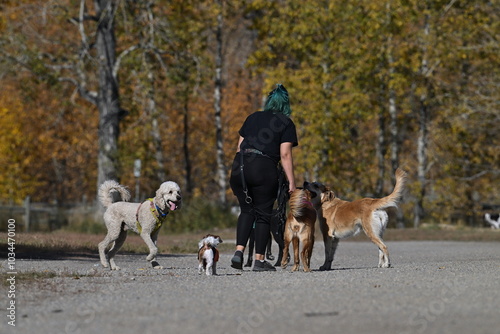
x,y
143,218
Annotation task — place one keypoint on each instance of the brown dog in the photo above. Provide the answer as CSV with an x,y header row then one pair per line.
x,y
299,228
341,219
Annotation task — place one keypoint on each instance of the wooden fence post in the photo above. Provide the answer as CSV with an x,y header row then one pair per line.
x,y
27,204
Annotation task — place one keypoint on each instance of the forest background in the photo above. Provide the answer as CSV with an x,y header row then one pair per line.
x,y
89,87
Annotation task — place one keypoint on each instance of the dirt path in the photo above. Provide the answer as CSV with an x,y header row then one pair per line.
x,y
433,287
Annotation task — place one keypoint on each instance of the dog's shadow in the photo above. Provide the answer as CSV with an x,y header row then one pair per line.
x,y
30,252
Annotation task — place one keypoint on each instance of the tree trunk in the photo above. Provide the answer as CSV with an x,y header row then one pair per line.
x,y
422,161
187,158
155,128
221,168
380,154
151,108
108,97
393,115
422,140
393,128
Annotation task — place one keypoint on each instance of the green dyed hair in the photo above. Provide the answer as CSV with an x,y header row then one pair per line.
x,y
278,101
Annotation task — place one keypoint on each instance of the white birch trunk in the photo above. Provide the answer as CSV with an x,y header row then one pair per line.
x,y
221,168
422,139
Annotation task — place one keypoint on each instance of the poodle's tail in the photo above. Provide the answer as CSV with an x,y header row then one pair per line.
x,y
111,191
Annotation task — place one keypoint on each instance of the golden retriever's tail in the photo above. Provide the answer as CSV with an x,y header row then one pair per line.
x,y
393,198
298,201
111,191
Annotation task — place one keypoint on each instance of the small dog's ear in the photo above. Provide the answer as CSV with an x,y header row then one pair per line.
x,y
327,196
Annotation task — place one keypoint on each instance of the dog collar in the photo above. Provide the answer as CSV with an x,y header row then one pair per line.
x,y
308,203
161,213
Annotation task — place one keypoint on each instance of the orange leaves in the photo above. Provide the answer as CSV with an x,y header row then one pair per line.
x,y
42,137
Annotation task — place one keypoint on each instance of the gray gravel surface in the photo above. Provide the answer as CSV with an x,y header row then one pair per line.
x,y
433,287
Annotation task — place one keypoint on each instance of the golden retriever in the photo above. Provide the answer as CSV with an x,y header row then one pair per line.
x,y
299,228
341,219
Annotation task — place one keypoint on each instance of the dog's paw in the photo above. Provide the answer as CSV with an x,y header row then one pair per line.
x,y
384,265
295,267
156,265
115,268
325,268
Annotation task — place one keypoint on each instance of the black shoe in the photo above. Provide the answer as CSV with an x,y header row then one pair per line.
x,y
237,260
263,266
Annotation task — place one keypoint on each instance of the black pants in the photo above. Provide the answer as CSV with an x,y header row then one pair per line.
x,y
261,177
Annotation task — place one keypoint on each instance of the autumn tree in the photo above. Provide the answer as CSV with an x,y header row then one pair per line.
x,y
465,126
373,85
91,65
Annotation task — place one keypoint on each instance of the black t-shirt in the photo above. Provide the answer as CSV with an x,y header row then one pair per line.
x,y
265,131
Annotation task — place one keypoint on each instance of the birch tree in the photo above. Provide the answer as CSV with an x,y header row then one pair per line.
x,y
92,67
221,167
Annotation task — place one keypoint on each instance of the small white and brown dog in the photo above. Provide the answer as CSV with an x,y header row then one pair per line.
x,y
208,255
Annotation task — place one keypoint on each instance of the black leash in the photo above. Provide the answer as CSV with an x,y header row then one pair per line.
x,y
248,199
282,196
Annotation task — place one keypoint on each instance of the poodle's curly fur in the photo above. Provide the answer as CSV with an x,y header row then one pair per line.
x,y
122,216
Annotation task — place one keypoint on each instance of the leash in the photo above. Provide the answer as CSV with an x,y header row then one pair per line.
x,y
282,196
159,215
248,199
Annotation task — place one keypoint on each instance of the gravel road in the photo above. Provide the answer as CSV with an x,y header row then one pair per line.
x,y
433,287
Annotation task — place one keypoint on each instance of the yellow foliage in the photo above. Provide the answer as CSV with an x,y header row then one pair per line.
x,y
340,61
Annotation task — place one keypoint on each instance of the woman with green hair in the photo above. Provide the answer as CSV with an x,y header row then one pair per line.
x,y
266,138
